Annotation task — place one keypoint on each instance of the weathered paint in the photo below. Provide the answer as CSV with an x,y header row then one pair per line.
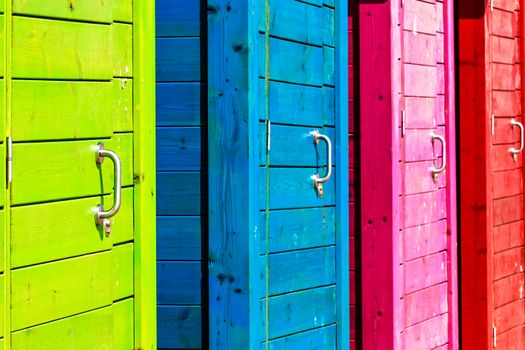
x,y
408,280
275,281
491,190
181,174
66,284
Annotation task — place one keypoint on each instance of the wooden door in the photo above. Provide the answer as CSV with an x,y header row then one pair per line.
x,y
69,86
408,175
492,240
278,246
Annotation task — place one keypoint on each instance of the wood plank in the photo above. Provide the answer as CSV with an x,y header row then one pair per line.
x,y
292,62
179,327
319,338
123,323
507,210
41,293
179,238
502,160
78,10
41,233
420,81
513,339
74,173
506,104
509,316
419,49
509,262
90,330
419,178
122,105
503,49
179,104
328,66
301,311
297,104
123,271
293,20
179,282
329,37
294,146
420,17
178,59
419,146
509,289
508,236
45,49
420,113
122,50
179,148
426,304
425,272
52,110
123,10
505,133
179,193
294,188
424,208
177,18
297,229
427,335
507,183
301,269
425,240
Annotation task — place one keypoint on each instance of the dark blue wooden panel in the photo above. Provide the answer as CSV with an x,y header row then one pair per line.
x,y
319,338
294,146
178,59
298,229
179,193
179,282
179,238
300,311
300,269
179,327
177,18
178,148
179,104
292,62
294,188
294,20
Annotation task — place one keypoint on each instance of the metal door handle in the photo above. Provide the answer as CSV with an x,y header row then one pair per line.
x,y
319,181
436,171
512,150
102,217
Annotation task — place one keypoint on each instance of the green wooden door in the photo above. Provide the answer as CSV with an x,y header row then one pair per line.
x,y
69,84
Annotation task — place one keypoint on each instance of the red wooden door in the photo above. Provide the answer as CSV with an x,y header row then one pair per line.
x,y
492,238
408,175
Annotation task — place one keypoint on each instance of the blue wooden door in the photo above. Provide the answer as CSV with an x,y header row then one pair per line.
x,y
278,249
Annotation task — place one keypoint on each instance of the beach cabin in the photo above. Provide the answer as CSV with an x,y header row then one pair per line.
x,y
78,184
409,293
491,167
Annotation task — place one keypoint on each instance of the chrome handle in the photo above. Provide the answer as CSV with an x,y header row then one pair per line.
x,y
436,171
102,217
512,150
319,181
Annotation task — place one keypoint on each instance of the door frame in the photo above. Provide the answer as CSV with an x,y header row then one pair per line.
x,y
145,277
235,318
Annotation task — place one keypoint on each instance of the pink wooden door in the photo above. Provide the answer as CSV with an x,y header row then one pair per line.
x,y
408,175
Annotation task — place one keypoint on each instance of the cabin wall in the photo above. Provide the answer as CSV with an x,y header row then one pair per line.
x,y
353,175
181,173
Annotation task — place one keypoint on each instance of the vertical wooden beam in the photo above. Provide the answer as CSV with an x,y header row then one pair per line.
x,y
450,121
234,307
144,173
378,192
341,117
475,195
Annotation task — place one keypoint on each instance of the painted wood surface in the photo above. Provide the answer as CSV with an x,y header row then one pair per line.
x,y
279,251
181,121
492,62
417,290
69,285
